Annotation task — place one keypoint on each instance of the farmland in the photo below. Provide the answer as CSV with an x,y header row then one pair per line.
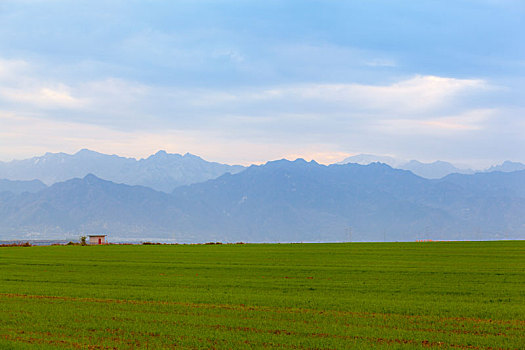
x,y
461,295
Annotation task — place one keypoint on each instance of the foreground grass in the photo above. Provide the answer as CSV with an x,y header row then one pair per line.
x,y
466,295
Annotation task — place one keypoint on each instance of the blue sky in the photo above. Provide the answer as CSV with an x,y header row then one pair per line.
x,y
250,81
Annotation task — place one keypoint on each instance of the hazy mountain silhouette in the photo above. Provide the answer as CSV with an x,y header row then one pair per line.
x,y
280,201
161,171
365,159
434,170
21,186
507,166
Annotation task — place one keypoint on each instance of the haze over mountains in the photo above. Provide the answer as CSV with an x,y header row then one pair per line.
x,y
164,171
434,170
161,171
507,166
279,201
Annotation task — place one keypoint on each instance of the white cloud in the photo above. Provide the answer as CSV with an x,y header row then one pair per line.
x,y
129,104
44,97
19,84
11,69
473,120
325,122
414,95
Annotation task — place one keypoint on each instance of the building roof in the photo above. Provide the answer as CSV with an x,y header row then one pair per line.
x,y
97,235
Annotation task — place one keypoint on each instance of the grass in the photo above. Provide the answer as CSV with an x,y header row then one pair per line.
x,y
466,295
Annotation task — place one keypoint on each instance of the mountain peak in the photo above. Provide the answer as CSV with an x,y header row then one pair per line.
x,y
191,156
160,154
161,171
86,152
91,179
365,159
507,166
298,163
51,154
380,165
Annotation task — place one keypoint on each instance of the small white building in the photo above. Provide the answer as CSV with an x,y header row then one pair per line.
x,y
97,239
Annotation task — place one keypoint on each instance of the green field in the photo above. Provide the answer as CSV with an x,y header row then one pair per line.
x,y
462,295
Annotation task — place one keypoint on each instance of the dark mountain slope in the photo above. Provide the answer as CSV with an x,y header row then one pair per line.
x,y
310,202
494,183
89,205
280,201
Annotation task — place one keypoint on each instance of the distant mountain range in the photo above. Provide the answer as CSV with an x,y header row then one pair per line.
x,y
278,201
161,171
164,171
507,166
434,170
365,159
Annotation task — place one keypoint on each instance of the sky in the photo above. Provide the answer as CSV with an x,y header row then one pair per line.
x,y
250,81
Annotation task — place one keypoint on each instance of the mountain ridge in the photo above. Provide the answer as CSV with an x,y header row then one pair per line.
x,y
161,171
433,170
280,201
